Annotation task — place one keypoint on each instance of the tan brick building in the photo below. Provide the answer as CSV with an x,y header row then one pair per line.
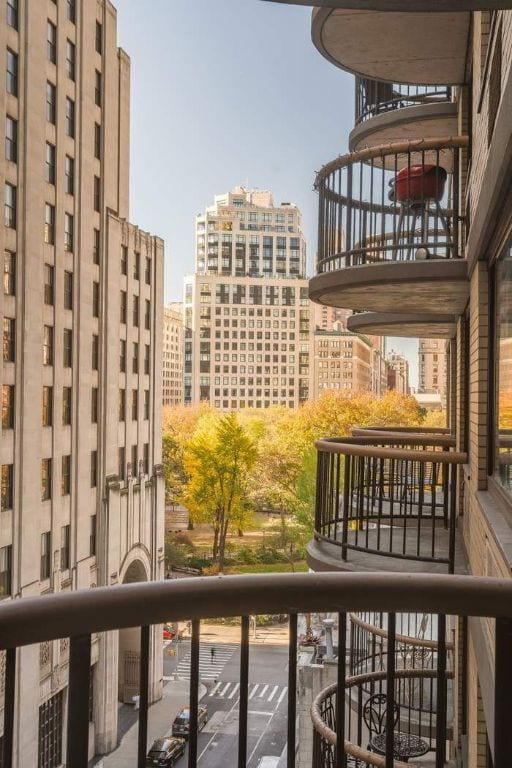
x,y
341,361
432,367
172,353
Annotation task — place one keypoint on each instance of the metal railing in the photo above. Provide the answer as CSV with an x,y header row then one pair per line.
x,y
375,98
389,494
79,614
397,202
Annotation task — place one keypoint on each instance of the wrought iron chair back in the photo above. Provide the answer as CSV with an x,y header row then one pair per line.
x,y
374,713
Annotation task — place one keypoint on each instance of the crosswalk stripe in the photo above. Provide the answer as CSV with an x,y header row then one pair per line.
x,y
224,689
212,692
282,695
234,691
254,690
273,693
262,692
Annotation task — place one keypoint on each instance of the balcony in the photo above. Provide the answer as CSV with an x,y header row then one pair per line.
x,y
386,501
392,112
416,658
404,325
390,238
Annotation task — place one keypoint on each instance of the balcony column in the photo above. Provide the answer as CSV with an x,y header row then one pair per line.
x,y
105,699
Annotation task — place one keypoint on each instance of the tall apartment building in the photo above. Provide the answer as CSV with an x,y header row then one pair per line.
x,y
247,314
341,361
329,318
432,367
172,364
81,307
398,372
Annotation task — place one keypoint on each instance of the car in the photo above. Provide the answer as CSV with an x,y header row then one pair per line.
x,y
181,724
165,751
168,633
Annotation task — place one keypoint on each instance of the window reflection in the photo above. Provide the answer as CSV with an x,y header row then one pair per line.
x,y
504,370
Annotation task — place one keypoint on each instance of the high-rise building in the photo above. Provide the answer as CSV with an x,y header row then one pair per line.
x,y
432,368
82,489
172,389
341,361
398,372
247,312
330,318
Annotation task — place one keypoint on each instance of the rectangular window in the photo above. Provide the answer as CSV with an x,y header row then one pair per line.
x,y
10,206
92,536
12,13
11,139
95,352
70,59
51,102
122,463
64,544
97,140
134,461
67,350
503,351
94,469
97,194
65,478
146,404
147,359
48,345
50,732
5,571
135,359
68,290
66,406
7,492
47,406
124,260
136,311
147,271
71,10
96,246
122,308
122,356
9,273
99,38
49,165
94,405
49,295
7,406
69,171
135,405
46,479
95,299
9,339
69,232
147,316
122,405
146,458
70,117
49,224
51,42
11,73
136,267
46,547
97,88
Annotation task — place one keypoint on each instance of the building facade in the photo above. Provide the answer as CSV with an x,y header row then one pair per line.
x,y
341,361
81,485
246,308
172,388
432,367
398,372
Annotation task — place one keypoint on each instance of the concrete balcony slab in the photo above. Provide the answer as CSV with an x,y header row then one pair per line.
x,y
410,326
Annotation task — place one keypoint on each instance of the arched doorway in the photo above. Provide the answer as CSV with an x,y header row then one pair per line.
x,y
129,643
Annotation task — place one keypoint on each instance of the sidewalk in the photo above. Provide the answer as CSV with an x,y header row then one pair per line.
x,y
161,715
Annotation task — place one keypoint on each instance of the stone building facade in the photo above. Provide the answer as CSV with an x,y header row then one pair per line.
x,y
172,364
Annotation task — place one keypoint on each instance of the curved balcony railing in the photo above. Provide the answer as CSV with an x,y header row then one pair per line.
x,y
77,615
392,495
391,203
375,98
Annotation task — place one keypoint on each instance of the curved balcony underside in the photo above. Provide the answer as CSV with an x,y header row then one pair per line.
x,y
394,46
405,5
422,120
403,325
424,287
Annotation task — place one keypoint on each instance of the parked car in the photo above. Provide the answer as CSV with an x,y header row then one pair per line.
x,y
168,633
181,724
165,752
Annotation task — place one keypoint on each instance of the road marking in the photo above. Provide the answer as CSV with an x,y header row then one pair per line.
x,y
282,696
273,693
254,691
255,712
212,692
262,692
234,691
224,689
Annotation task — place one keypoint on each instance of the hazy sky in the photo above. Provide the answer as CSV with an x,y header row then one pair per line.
x,y
227,92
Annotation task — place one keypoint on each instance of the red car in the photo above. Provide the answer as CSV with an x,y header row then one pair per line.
x,y
168,633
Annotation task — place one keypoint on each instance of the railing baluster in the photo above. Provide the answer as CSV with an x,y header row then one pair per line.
x,y
441,707
347,492
194,694
244,693
502,706
8,735
390,691
78,701
143,697
292,691
341,759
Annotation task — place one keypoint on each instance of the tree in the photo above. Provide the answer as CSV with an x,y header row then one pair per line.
x,y
218,460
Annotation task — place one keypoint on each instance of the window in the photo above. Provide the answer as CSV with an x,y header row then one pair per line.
x,y
94,469
49,224
124,260
68,290
146,404
136,311
5,571
66,406
70,117
47,406
147,316
147,271
70,59
7,492
92,535
122,405
135,359
94,405
49,295
134,461
48,345
64,543
10,206
7,406
65,478
69,171
9,340
67,350
69,227
12,13
11,73
96,246
122,463
95,351
97,88
95,299
146,458
99,38
147,359
50,732
136,267
97,194
122,307
9,273
122,356
503,453
49,165
71,10
51,102
97,140
46,480
135,405
11,139
51,42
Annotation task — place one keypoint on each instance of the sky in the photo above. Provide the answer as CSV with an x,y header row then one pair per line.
x,y
228,92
